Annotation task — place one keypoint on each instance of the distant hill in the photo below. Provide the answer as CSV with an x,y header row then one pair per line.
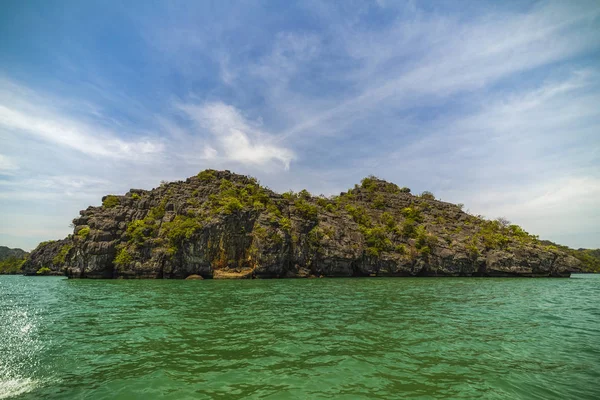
x,y
11,260
222,225
590,258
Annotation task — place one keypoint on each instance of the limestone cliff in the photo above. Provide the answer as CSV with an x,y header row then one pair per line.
x,y
222,225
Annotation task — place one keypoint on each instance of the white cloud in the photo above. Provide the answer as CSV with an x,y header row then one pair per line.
x,y
234,137
28,113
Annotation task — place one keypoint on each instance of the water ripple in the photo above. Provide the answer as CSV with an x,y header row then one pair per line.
x,y
297,339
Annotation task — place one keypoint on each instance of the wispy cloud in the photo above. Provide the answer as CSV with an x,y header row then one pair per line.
x,y
20,115
428,59
234,137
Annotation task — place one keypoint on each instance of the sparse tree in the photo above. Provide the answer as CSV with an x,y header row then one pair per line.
x,y
503,222
427,195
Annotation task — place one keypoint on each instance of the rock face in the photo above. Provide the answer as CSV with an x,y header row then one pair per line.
x,y
46,255
222,225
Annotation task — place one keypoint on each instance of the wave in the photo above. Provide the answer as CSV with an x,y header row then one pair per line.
x,y
14,387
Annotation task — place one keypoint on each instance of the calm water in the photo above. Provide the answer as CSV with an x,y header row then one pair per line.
x,y
319,338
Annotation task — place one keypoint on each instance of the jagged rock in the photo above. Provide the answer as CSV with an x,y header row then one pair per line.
x,y
222,225
46,256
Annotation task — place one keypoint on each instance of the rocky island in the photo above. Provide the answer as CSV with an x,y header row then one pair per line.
x,y
222,225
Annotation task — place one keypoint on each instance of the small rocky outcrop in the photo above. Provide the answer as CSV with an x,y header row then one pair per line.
x,y
223,225
48,258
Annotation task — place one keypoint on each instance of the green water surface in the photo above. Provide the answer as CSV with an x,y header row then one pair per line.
x,y
363,338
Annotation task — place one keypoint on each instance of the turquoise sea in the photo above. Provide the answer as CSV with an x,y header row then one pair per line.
x,y
362,338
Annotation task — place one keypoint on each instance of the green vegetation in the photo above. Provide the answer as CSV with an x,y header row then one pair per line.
x,y
306,210
180,229
388,220
369,183
259,232
183,227
61,256
44,244
379,235
392,227
207,175
343,199
11,265
123,257
289,195
379,201
314,238
141,230
401,249
472,249
276,238
413,217
285,224
359,215
424,240
158,212
322,201
373,184
84,232
376,240
412,213
590,258
304,194
231,205
408,228
110,201
234,197
496,234
231,198
11,260
427,195
43,271
274,213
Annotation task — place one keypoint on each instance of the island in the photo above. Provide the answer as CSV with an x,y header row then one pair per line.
x,y
222,225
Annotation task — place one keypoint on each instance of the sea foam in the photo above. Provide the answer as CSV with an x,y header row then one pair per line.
x,y
14,387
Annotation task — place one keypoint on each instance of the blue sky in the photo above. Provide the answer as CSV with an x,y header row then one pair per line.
x,y
492,104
